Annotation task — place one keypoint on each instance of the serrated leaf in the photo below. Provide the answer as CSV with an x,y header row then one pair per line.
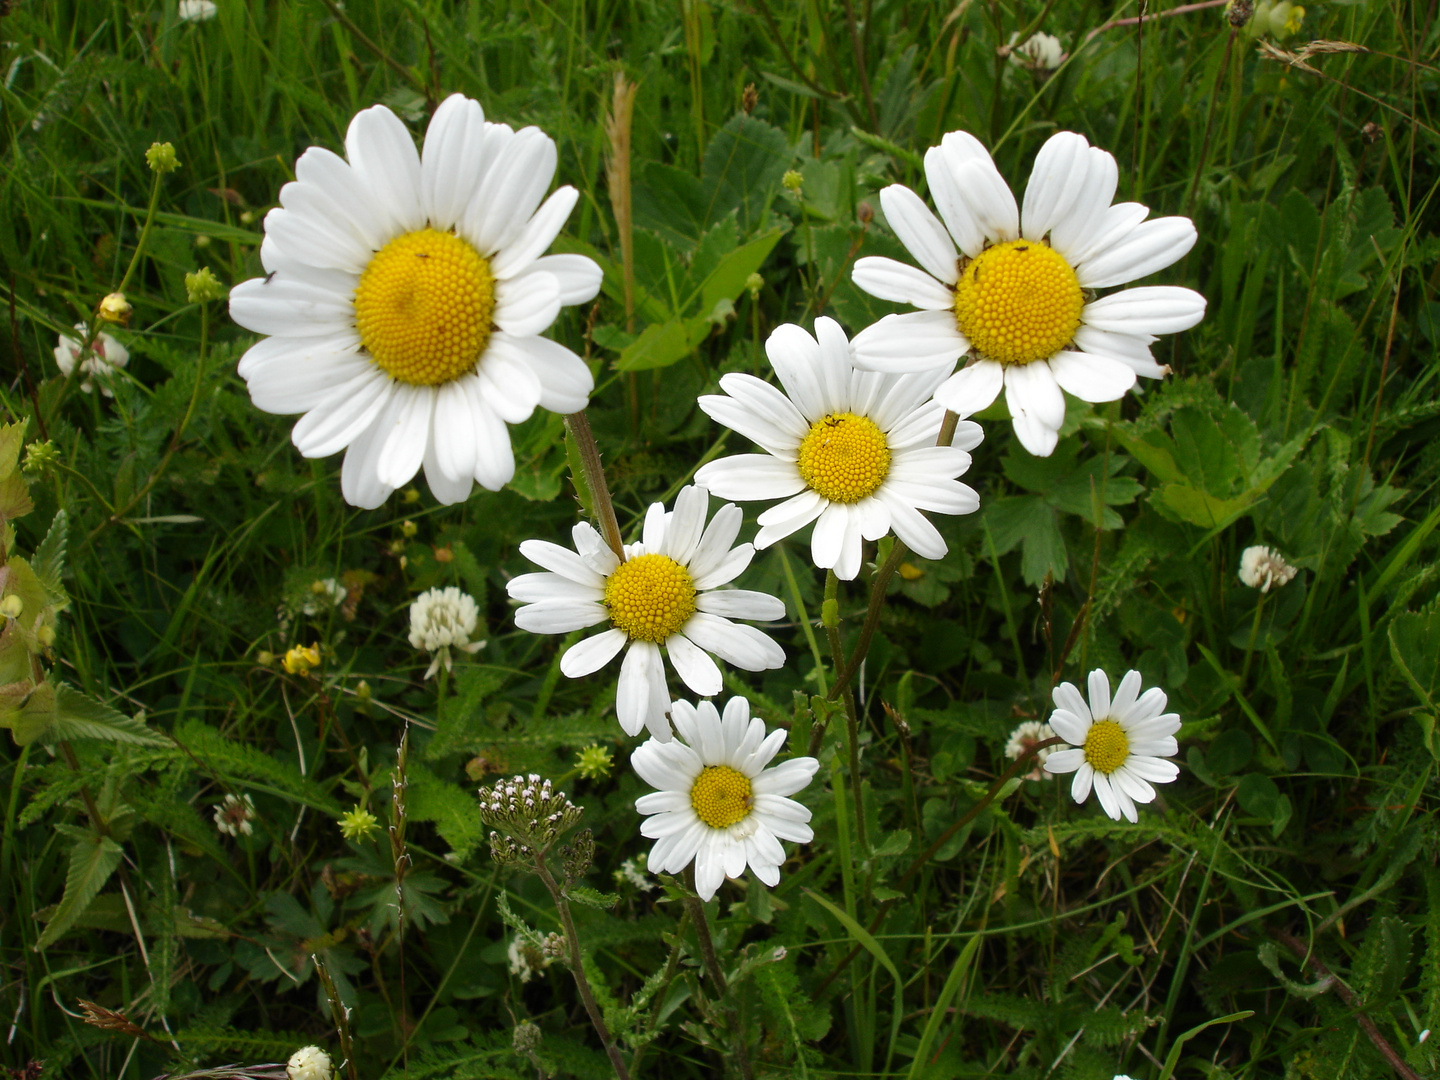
x,y
49,561
456,813
50,712
1384,962
92,860
583,894
12,437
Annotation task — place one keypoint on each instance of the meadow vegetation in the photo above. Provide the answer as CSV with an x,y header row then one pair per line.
x,y
175,776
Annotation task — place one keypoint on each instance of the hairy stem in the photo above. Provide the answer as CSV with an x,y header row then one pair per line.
x,y
577,967
830,614
578,424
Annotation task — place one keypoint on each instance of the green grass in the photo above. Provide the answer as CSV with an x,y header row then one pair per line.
x,y
1041,939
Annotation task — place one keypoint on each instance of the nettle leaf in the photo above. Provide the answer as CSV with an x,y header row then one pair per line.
x,y
50,712
92,860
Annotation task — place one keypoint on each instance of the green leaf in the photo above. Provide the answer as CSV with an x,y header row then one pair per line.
x,y
742,169
583,894
12,437
727,280
663,344
1415,647
455,812
50,712
50,561
1384,961
1029,521
92,860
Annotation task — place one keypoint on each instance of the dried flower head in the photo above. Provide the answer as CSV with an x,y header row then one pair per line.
x,y
526,960
196,10
233,816
1263,568
528,809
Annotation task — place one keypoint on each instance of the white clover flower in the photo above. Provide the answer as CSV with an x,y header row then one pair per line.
x,y
309,1063
1025,736
853,451
716,803
106,357
325,594
195,10
1018,295
667,593
1039,52
526,961
441,619
1263,568
234,814
406,297
1122,744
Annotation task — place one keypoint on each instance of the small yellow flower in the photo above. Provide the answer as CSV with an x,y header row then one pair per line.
x,y
1294,18
161,158
358,824
593,762
300,659
115,308
910,572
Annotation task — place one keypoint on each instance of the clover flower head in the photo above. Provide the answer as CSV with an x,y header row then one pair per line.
x,y
309,1063
442,619
234,815
105,358
1264,568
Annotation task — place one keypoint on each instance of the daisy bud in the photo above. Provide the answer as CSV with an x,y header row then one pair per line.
x,y
593,762
358,824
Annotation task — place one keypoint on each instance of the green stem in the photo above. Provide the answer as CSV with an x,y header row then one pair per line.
x,y
578,425
830,615
804,617
577,967
696,907
1250,645
672,965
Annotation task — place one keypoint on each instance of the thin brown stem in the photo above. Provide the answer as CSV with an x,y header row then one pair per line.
x,y
1311,961
578,424
1135,20
577,967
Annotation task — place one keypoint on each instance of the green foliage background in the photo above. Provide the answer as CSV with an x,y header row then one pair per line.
x,y
1042,939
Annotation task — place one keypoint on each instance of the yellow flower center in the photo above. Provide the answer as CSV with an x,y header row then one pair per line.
x,y
1106,746
425,307
1018,302
721,796
845,457
650,597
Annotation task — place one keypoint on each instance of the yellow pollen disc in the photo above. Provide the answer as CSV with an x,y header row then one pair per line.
x,y
1018,302
721,796
1106,746
650,597
425,307
845,457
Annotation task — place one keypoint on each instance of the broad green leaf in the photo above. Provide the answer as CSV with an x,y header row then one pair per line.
x,y
742,169
12,438
672,203
663,344
727,280
92,860
1030,522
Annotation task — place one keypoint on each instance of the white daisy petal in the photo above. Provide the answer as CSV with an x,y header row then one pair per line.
x,y
1031,391
579,276
952,200
453,160
695,668
537,235
1129,350
353,407
348,195
920,231
511,189
559,616
1064,761
1152,246
1088,217
383,156
590,655
565,382
740,646
1083,782
642,672
1152,309
741,604
1059,170
796,358
750,476
1080,239
1067,725
901,284
1090,377
973,387
289,308
527,305
913,341
986,192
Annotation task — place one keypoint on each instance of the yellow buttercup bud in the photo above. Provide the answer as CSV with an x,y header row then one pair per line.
x,y
46,636
12,606
115,308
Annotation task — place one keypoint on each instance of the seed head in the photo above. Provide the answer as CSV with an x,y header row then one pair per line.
x,y
528,809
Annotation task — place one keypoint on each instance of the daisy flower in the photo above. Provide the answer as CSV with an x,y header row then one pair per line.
x,y
853,451
667,592
1121,744
405,300
1017,297
715,802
